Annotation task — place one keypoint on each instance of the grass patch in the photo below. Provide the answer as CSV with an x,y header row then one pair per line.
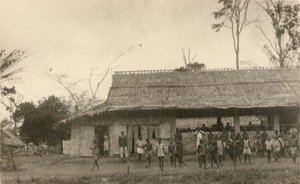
x,y
245,176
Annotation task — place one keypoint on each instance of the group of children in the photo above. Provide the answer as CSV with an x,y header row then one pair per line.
x,y
239,144
175,153
212,148
278,147
215,147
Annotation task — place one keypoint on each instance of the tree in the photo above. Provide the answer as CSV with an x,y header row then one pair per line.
x,y
285,21
8,64
87,99
189,62
39,121
8,70
11,100
234,15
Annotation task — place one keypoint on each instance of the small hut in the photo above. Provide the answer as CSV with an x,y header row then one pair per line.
x,y
9,139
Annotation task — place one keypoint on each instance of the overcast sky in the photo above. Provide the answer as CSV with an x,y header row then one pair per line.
x,y
72,36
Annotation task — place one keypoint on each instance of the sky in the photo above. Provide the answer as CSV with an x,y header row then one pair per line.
x,y
73,36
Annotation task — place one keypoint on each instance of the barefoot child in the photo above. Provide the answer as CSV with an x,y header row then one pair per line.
x,y
148,151
202,154
276,148
160,150
246,149
139,147
179,154
95,149
293,147
220,149
268,147
171,152
213,152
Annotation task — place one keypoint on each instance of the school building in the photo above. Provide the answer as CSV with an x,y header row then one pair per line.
x,y
152,104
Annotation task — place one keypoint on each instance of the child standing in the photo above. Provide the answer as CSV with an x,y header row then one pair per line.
x,y
220,148
276,147
237,145
179,154
160,150
268,147
231,147
202,154
171,151
293,147
148,151
246,149
95,149
225,147
139,147
213,152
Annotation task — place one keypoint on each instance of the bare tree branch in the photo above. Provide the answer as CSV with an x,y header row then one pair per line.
x,y
267,38
109,67
81,101
184,58
58,78
193,58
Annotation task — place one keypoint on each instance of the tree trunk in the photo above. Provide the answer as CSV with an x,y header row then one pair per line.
x,y
14,122
281,60
237,52
237,60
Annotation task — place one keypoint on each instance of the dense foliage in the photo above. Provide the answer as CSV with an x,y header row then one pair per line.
x,y
191,67
40,120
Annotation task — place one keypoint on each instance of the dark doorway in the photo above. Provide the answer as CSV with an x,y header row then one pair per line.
x,y
100,131
133,135
288,119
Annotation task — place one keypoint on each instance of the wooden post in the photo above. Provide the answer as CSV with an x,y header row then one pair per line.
x,y
276,121
236,120
298,118
127,167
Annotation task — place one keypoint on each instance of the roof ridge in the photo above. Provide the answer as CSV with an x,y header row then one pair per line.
x,y
203,70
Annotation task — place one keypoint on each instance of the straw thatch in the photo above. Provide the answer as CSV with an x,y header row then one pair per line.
x,y
209,89
9,139
224,89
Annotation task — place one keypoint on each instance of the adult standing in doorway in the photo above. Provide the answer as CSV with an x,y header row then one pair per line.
x,y
105,146
123,145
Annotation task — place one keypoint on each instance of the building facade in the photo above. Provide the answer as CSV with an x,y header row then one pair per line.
x,y
152,104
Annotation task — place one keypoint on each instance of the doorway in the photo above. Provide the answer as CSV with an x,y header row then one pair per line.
x,y
134,133
100,131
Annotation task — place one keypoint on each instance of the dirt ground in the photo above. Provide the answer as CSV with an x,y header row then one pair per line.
x,y
65,167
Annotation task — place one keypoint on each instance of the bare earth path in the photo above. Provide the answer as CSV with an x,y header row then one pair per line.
x,y
71,167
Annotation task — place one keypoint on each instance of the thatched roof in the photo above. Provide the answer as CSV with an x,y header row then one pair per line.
x,y
246,88
9,139
208,89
